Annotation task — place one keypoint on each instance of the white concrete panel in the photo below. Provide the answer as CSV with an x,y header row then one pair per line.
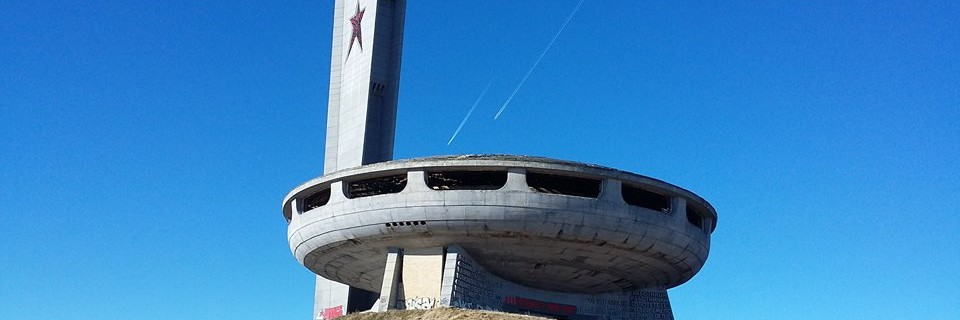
x,y
422,277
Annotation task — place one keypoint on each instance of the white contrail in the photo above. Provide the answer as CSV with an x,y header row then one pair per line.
x,y
504,107
470,112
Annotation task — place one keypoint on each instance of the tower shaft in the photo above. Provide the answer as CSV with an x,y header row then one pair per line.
x,y
364,82
361,110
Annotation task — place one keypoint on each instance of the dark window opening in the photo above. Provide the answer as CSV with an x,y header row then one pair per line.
x,y
316,200
377,88
405,223
571,186
377,186
695,218
646,199
360,300
466,180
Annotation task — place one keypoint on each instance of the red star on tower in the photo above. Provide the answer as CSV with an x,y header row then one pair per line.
x,y
355,21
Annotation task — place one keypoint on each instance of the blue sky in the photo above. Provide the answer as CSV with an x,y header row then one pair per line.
x,y
145,146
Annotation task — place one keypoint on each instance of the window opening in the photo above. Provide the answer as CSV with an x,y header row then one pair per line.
x,y
566,185
316,200
694,217
646,199
466,180
376,186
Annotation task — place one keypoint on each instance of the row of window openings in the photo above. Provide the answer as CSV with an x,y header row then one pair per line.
x,y
493,180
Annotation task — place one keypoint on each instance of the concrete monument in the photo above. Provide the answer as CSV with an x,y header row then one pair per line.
x,y
511,233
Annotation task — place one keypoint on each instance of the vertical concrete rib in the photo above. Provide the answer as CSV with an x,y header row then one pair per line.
x,y
678,208
333,100
610,190
449,274
388,290
516,179
417,181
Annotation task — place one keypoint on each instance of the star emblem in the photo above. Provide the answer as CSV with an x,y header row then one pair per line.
x,y
355,22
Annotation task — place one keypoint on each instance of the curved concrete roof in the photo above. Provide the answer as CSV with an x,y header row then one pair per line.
x,y
501,160
549,241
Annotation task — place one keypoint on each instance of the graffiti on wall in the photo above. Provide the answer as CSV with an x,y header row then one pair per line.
x,y
474,306
419,303
331,313
475,288
545,307
638,303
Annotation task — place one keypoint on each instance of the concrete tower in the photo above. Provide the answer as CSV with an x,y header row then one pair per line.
x,y
512,233
364,79
361,110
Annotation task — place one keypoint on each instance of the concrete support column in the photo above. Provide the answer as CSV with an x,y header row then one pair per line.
x,y
294,208
412,279
391,274
678,208
516,179
610,191
449,275
416,181
338,192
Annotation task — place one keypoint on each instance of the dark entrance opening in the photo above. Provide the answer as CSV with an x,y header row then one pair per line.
x,y
360,300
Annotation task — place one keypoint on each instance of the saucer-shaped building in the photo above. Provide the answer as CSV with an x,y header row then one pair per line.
x,y
554,232
511,233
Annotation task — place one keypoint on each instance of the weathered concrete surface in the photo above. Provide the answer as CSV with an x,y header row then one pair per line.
x,y
540,240
473,287
552,246
362,105
330,297
422,275
364,82
389,289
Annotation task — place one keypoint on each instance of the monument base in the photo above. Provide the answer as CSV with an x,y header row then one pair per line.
x,y
409,283
333,299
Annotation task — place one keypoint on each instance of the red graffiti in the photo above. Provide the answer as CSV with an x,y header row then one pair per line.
x,y
333,313
541,306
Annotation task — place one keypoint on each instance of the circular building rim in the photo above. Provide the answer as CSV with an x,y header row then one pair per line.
x,y
502,162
